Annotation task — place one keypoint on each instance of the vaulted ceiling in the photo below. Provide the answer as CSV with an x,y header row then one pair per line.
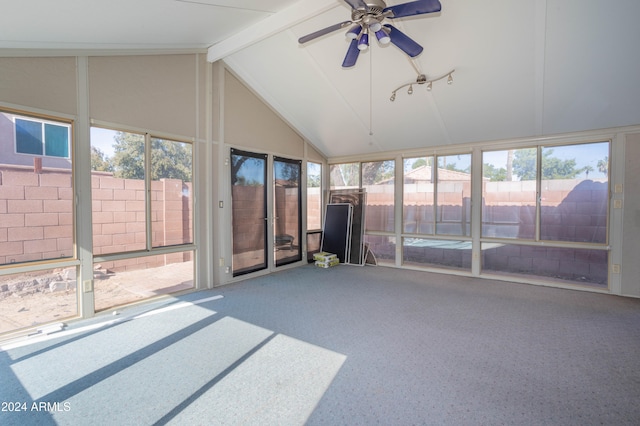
x,y
523,68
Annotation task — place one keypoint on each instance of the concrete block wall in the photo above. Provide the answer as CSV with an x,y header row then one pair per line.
x,y
36,215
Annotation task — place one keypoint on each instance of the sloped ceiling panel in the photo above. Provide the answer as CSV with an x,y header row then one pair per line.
x,y
126,24
348,111
592,65
286,78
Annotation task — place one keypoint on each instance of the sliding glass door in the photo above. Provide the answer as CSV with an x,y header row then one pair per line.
x,y
249,211
287,210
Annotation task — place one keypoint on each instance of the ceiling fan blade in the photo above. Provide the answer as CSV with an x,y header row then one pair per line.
x,y
352,54
356,4
412,8
323,31
403,42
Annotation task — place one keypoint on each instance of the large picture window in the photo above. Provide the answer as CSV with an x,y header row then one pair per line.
x,y
549,195
37,221
142,202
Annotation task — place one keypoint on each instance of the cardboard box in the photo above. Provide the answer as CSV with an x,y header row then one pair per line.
x,y
323,256
327,264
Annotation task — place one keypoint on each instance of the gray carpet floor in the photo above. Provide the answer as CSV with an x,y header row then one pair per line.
x,y
340,346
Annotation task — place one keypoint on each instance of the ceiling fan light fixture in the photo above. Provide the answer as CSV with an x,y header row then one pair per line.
x,y
383,37
370,16
354,32
363,43
375,26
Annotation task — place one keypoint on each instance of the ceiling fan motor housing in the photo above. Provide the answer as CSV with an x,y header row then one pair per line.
x,y
374,9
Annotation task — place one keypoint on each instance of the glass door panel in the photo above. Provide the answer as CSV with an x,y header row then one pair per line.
x,y
287,211
249,211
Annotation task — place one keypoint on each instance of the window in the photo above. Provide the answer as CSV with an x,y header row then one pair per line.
x,y
453,195
37,222
378,180
570,182
142,202
552,195
42,138
314,196
437,199
36,205
418,198
509,198
574,193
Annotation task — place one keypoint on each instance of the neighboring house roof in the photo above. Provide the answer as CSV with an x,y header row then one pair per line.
x,y
425,173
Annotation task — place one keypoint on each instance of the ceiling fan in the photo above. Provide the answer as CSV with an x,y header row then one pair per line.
x,y
367,16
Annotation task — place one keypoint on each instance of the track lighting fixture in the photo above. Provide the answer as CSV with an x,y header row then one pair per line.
x,y
422,79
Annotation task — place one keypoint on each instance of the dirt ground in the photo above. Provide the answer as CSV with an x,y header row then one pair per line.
x,y
28,308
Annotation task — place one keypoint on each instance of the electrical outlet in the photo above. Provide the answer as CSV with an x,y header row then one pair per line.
x,y
617,188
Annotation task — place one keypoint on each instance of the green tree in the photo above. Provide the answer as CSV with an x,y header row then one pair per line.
x,y
169,159
524,165
100,162
346,174
603,165
377,171
128,157
494,174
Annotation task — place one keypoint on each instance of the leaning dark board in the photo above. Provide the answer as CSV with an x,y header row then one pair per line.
x,y
337,229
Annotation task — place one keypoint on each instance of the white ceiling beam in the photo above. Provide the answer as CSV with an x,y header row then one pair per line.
x,y
286,18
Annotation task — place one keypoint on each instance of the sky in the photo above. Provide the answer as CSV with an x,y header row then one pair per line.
x,y
103,140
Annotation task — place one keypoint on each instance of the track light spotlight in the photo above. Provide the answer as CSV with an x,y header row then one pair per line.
x,y
393,97
410,91
450,79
